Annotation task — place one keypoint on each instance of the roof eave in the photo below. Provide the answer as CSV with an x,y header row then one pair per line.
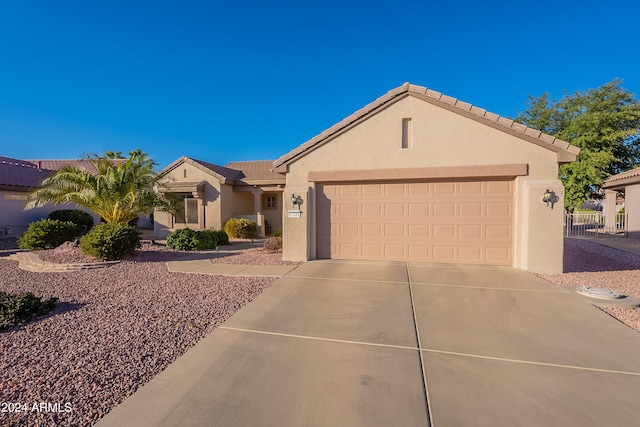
x,y
566,152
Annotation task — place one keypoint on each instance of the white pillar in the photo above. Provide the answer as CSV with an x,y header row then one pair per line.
x,y
610,209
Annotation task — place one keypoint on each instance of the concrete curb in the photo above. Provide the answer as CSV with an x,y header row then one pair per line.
x,y
31,262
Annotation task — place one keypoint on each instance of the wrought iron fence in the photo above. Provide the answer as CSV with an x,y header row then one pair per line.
x,y
593,224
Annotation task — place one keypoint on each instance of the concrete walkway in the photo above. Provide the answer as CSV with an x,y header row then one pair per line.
x,y
393,344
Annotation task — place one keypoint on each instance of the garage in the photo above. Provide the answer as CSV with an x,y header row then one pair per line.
x,y
418,176
464,221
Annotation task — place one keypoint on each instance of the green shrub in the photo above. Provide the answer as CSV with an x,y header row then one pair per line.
x,y
277,233
241,228
187,239
273,244
111,241
47,233
223,239
207,239
82,220
21,308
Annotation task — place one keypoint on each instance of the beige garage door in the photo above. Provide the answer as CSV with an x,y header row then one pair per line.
x,y
456,222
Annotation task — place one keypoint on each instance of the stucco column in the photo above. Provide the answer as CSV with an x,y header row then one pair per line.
x,y
257,210
610,209
200,201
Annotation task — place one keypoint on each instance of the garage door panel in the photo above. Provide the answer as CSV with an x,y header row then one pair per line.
x,y
470,231
394,230
419,230
419,209
498,187
394,251
470,253
444,231
473,209
444,209
419,188
467,221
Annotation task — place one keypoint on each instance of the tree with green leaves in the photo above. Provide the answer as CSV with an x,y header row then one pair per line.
x,y
605,124
119,190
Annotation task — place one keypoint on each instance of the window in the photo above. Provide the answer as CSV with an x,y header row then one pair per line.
x,y
270,201
188,214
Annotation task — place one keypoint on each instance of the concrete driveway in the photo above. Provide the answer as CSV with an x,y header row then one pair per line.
x,y
392,344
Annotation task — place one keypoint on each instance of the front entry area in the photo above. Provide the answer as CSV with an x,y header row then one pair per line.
x,y
466,221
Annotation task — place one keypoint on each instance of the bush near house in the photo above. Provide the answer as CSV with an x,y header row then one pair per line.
x,y
47,233
223,239
82,220
277,233
273,244
187,239
111,241
15,309
241,228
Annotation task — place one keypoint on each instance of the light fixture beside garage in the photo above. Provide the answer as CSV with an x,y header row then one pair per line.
x,y
550,197
296,201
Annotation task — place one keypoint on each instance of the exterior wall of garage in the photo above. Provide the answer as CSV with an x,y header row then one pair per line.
x,y
438,138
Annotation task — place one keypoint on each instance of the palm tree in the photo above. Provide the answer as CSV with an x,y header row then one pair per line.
x,y
119,190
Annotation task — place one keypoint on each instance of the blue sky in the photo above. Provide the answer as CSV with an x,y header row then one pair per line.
x,y
250,80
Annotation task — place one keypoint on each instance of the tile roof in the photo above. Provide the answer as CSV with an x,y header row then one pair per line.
x,y
21,174
566,152
629,177
257,170
55,164
220,170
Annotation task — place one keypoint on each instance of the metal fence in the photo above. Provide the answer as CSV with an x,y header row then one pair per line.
x,y
592,224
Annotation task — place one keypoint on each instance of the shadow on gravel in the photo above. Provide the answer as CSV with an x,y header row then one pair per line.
x,y
593,263
61,308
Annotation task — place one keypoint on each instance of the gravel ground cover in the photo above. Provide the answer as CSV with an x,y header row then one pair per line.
x,y
112,331
591,264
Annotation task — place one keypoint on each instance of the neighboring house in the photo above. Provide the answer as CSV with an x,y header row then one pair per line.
x,y
420,176
629,183
213,194
17,179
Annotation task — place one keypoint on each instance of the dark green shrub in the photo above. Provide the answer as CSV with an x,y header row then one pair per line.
x,y
82,220
184,239
241,228
187,239
21,308
223,239
273,244
47,233
111,241
277,233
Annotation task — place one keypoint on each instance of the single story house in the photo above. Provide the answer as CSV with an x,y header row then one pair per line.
x,y
420,176
629,183
213,194
17,179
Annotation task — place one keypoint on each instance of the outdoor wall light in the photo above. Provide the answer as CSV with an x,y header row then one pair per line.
x,y
296,201
550,197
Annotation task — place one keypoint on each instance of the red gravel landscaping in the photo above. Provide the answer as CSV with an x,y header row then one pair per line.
x,y
113,330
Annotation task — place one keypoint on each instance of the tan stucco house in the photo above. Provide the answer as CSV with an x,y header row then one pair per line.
x,y
629,183
420,176
213,194
17,179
